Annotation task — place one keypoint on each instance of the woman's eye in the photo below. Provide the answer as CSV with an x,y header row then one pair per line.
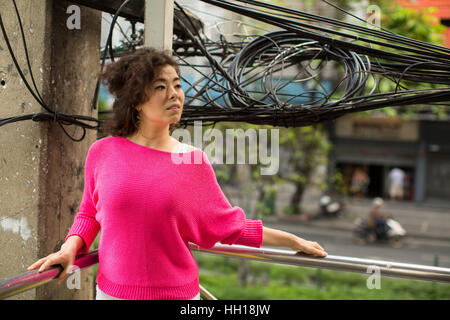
x,y
178,86
159,88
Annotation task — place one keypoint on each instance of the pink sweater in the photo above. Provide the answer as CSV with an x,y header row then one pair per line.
x,y
148,208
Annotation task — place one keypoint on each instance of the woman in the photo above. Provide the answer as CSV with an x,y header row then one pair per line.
x,y
147,207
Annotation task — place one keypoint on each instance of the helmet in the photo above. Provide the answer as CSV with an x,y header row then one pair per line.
x,y
378,202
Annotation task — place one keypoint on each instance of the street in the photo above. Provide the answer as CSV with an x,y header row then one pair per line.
x,y
340,243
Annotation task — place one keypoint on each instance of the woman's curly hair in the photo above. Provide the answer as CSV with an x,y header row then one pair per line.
x,y
128,79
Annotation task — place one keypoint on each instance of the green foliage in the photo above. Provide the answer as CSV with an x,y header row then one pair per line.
x,y
102,103
228,174
415,24
266,207
302,149
307,148
272,281
338,183
275,281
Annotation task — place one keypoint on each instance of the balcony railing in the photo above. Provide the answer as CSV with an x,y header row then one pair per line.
x,y
32,279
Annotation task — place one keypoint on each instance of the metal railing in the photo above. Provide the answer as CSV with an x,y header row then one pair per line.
x,y
32,279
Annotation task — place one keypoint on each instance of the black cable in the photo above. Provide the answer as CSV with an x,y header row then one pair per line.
x,y
19,70
384,34
302,30
26,51
245,82
352,90
354,98
111,53
51,115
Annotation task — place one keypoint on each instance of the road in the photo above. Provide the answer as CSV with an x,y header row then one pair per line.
x,y
340,243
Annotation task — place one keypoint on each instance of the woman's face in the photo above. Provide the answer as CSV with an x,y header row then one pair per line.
x,y
166,98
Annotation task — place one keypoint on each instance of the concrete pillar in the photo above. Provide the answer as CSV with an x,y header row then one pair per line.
x,y
41,169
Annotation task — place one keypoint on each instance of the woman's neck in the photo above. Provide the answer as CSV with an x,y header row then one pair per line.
x,y
156,139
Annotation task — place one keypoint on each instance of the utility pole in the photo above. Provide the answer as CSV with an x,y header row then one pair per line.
x,y
41,169
158,20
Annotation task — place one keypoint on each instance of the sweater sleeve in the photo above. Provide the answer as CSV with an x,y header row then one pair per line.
x,y
207,217
85,225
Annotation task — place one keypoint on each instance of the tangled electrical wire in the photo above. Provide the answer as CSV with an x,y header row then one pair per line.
x,y
313,70
52,115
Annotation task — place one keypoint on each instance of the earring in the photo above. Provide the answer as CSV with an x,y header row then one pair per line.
x,y
138,118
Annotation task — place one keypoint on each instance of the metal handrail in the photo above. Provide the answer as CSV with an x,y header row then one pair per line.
x,y
205,293
32,279
349,264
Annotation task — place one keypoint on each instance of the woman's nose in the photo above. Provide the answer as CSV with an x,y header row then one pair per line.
x,y
173,93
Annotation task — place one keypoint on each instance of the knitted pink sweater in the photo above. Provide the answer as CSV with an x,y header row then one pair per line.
x,y
148,208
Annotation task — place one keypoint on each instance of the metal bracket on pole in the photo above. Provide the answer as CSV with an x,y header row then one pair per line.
x,y
158,20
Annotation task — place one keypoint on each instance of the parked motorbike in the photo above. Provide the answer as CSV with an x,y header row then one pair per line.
x,y
329,207
394,233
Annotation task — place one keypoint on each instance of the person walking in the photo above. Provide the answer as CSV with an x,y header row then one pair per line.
x,y
396,183
360,182
148,207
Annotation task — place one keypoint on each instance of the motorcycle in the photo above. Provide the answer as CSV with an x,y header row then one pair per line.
x,y
393,233
330,208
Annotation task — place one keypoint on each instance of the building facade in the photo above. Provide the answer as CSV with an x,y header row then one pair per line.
x,y
375,145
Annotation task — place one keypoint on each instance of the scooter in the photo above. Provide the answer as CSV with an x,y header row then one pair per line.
x,y
330,208
394,233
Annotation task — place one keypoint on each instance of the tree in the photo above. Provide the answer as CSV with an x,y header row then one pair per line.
x,y
308,149
415,24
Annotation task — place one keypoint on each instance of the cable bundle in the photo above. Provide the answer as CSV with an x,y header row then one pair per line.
x,y
314,69
249,86
50,115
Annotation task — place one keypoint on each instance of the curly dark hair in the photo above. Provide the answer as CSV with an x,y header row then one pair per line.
x,y
128,79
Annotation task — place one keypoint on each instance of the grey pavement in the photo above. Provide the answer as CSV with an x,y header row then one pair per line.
x,y
425,220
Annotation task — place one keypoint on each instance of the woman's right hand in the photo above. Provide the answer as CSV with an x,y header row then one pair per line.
x,y
64,257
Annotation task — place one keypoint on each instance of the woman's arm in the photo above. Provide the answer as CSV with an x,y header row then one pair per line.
x,y
278,238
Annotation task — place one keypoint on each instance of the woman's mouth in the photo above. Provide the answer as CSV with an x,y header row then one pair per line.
x,y
173,108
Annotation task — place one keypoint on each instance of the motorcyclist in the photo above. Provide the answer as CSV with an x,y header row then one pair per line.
x,y
377,220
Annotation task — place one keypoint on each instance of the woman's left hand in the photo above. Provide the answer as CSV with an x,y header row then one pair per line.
x,y
279,238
